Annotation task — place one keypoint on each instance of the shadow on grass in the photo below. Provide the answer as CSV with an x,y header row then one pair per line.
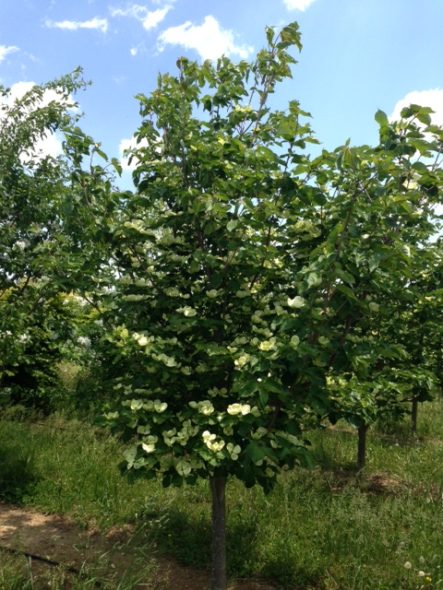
x,y
189,539
17,473
290,575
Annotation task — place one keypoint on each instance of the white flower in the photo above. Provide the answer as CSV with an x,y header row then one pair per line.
x,y
84,341
136,404
212,293
216,446
160,406
204,407
188,312
183,467
407,565
142,341
234,451
242,360
150,448
235,409
296,302
149,445
169,436
313,280
294,342
267,345
259,433
210,441
172,292
208,436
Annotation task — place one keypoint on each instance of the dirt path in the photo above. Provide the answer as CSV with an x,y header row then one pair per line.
x,y
59,540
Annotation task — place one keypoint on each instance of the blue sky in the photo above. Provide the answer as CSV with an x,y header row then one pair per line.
x,y
358,55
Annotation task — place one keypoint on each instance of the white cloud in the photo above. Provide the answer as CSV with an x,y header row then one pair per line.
x,y
150,19
19,89
99,24
154,18
301,5
427,98
208,39
127,145
6,50
47,145
133,51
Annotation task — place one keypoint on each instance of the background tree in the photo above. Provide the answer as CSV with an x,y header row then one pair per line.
x,y
44,201
379,221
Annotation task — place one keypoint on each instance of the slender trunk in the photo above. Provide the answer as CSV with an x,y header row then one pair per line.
x,y
361,454
218,487
414,413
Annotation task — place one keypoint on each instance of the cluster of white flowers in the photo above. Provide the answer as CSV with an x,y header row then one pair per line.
x,y
182,436
141,339
21,244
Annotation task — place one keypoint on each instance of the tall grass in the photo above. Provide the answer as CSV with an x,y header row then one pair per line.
x,y
325,529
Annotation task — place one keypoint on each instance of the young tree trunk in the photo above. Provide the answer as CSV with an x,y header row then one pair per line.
x,y
414,414
361,453
218,487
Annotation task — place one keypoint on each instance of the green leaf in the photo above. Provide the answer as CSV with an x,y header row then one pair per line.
x,y
381,118
255,451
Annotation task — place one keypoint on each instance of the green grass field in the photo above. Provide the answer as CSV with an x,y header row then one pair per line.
x,y
325,529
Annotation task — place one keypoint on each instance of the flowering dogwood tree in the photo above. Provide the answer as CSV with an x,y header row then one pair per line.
x,y
211,330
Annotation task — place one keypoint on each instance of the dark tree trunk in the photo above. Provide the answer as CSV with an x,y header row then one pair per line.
x,y
218,487
361,454
414,414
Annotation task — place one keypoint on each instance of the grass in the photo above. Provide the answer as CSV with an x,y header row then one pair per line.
x,y
324,529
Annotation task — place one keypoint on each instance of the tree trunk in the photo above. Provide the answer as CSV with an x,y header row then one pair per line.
x,y
414,413
218,486
361,454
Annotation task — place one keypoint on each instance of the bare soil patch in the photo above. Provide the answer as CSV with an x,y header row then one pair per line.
x,y
61,541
